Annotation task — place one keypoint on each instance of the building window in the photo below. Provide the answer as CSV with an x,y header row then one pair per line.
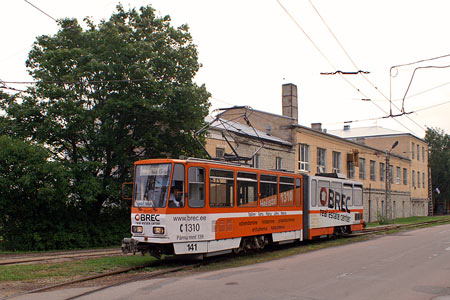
x,y
414,178
423,180
303,157
418,152
255,161
321,160
362,168
413,149
373,170
350,169
418,179
336,162
398,179
220,152
382,172
405,176
278,163
423,154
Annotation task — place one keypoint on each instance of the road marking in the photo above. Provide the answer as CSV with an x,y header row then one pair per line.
x,y
343,275
447,249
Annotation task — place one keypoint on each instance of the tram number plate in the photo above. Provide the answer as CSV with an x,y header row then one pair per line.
x,y
189,227
192,247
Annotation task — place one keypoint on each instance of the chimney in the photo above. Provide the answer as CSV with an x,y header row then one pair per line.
x,y
316,126
289,101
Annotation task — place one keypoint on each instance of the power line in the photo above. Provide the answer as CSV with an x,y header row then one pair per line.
x,y
379,118
331,64
409,97
412,77
74,82
362,74
41,11
11,88
432,106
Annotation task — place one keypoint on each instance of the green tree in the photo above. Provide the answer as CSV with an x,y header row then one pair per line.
x,y
439,144
108,95
33,193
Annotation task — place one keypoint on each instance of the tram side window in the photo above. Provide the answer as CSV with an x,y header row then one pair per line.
x,y
314,193
348,193
269,190
286,191
196,180
176,195
358,195
221,188
298,192
247,189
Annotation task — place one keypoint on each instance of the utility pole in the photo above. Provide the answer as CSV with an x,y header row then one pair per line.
x,y
389,215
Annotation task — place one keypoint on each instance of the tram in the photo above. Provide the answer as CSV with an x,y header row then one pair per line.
x,y
205,208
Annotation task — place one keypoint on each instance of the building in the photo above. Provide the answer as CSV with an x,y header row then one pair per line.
x,y
357,153
224,137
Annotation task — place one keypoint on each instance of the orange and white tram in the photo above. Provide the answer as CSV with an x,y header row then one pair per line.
x,y
207,208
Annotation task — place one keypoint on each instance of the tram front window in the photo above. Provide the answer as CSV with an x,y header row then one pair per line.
x,y
151,185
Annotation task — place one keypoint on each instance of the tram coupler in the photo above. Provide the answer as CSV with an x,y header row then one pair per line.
x,y
129,245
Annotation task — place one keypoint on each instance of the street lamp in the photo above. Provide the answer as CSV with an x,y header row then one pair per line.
x,y
388,182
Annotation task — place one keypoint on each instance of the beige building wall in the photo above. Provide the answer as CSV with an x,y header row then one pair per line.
x,y
416,150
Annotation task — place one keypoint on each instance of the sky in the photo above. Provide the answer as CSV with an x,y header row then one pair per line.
x,y
249,48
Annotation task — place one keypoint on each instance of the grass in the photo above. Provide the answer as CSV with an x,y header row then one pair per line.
x,y
86,267
411,220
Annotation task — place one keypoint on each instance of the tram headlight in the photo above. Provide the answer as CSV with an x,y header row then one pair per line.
x,y
159,230
137,229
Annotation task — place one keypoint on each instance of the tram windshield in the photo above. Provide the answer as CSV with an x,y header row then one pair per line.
x,y
151,185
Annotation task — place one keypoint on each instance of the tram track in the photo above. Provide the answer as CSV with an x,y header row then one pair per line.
x,y
152,274
183,267
42,258
385,228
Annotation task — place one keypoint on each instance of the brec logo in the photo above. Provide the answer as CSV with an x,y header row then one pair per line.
x,y
334,199
146,217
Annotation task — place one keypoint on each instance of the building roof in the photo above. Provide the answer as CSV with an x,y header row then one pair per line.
x,y
373,131
241,129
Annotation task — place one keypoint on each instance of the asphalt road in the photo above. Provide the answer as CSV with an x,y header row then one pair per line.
x,y
410,265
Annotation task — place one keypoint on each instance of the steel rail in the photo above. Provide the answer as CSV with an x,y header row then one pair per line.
x,y
49,257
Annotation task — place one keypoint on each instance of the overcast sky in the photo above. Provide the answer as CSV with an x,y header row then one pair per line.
x,y
249,48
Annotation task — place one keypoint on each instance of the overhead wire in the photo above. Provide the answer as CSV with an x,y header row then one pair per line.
x,y
362,74
41,11
331,64
74,82
412,77
431,106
